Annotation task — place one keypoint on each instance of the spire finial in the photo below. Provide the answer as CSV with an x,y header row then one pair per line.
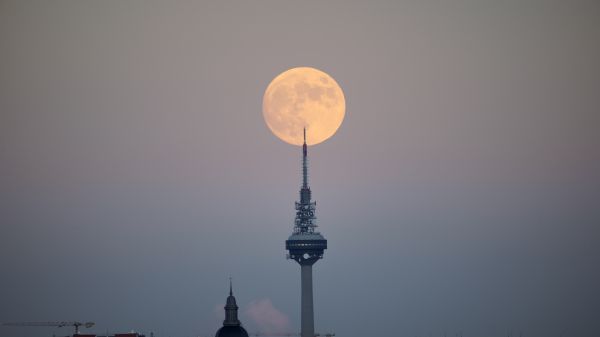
x,y
305,135
304,163
231,309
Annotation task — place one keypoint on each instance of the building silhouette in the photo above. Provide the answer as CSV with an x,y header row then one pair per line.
x,y
306,246
232,327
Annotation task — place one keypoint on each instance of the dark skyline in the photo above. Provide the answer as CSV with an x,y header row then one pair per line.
x,y
460,194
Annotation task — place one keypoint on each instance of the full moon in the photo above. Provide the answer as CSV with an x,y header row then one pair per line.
x,y
302,98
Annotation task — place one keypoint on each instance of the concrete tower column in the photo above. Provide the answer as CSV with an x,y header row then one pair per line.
x,y
307,315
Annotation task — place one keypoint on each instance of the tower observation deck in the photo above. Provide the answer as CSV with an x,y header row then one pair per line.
x,y
306,246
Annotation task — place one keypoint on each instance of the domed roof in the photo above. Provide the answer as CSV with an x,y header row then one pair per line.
x,y
231,331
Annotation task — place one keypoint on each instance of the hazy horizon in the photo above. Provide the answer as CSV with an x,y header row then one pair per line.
x,y
459,195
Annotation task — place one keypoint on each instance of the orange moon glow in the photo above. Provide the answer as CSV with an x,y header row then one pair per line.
x,y
302,98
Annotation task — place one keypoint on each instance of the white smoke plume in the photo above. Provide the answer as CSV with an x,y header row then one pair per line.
x,y
266,317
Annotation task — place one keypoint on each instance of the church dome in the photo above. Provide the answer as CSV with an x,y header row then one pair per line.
x,y
231,331
232,327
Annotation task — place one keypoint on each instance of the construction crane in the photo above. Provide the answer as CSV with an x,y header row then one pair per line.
x,y
56,324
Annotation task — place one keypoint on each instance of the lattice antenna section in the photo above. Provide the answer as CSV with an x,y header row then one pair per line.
x,y
305,221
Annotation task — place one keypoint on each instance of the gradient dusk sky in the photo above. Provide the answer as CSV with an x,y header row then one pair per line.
x,y
461,195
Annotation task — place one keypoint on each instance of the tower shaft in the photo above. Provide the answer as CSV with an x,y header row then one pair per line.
x,y
307,315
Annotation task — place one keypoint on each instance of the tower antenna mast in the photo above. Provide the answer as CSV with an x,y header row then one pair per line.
x,y
306,246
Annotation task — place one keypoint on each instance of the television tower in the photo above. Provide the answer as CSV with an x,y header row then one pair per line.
x,y
306,247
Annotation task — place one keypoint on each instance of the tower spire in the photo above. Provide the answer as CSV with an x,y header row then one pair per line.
x,y
231,309
304,162
305,208
305,135
306,246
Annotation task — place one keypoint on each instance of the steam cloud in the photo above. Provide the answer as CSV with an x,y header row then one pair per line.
x,y
266,317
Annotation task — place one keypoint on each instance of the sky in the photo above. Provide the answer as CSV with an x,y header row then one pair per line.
x,y
459,196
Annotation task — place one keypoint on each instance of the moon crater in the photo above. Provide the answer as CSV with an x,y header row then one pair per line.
x,y
303,98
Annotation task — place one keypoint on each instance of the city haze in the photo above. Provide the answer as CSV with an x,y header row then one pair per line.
x,y
460,194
